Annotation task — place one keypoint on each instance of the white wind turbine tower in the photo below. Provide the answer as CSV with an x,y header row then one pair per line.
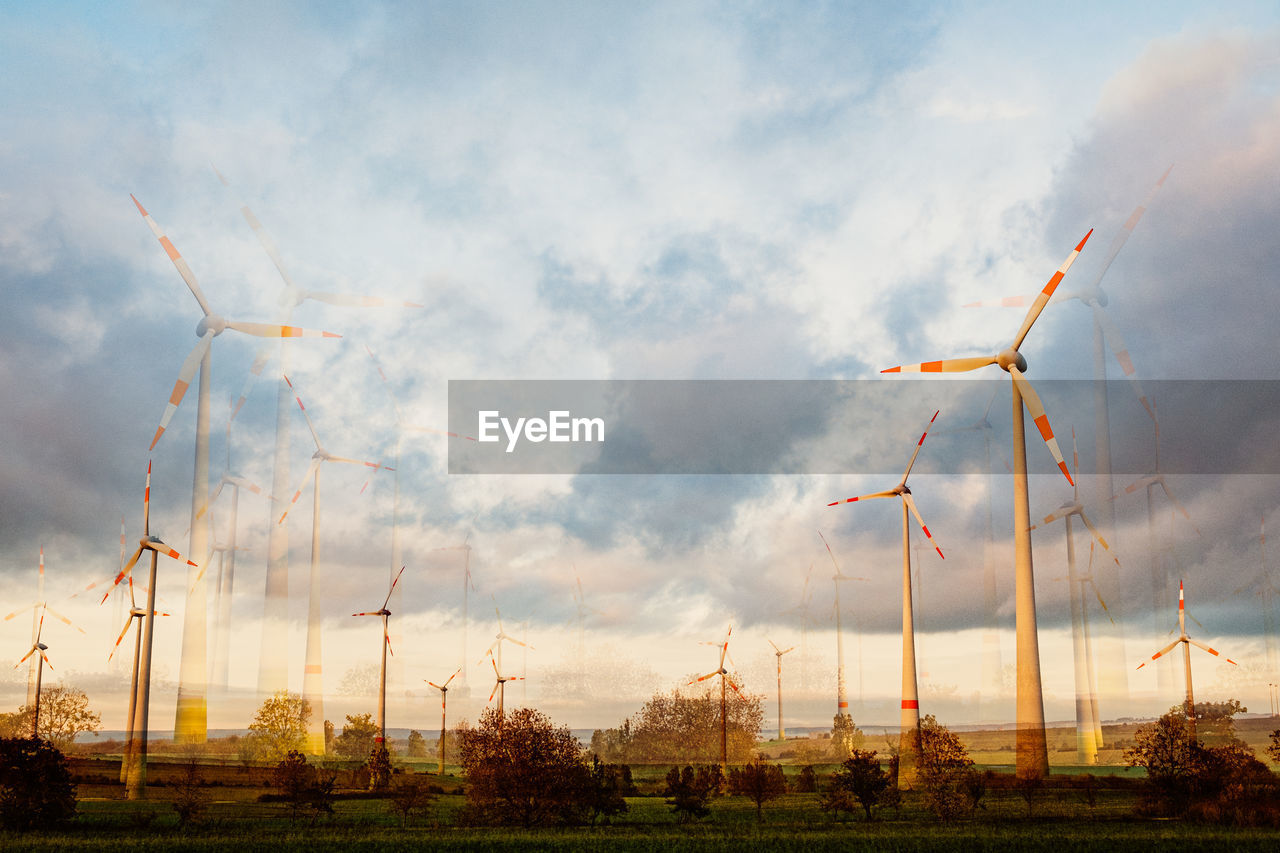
x,y
136,614
580,602
992,664
910,713
1159,571
842,696
802,610
381,739
313,677
778,653
1186,643
273,668
1090,669
1033,751
444,696
136,779
1088,724
724,708
38,608
1106,333
38,649
191,721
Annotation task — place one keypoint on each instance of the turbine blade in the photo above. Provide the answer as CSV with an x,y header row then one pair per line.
x,y
1097,593
20,610
1161,653
1177,503
311,470
1213,652
271,330
491,694
1122,237
314,435
919,444
1032,401
1098,536
386,638
128,567
885,494
119,639
946,365
695,681
255,370
911,505
452,677
1053,516
185,375
1043,298
68,622
393,588
161,548
176,257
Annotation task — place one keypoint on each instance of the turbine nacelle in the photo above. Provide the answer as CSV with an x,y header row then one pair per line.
x,y
1012,358
211,323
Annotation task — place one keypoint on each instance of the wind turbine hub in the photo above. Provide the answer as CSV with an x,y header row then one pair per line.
x,y
1011,358
212,322
137,612
42,647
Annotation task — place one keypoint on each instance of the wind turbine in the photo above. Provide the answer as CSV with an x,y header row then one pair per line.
x,y
136,781
1087,721
136,613
1033,751
382,674
842,697
1106,333
499,637
191,720
910,713
778,653
802,610
444,696
40,660
1186,643
38,609
273,670
312,678
1090,669
724,679
500,684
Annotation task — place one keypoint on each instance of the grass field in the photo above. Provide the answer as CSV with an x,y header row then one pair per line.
x,y
1060,820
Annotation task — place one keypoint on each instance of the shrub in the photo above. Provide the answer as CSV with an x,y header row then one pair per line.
x,y
608,785
759,782
689,791
522,769
302,787
807,780
36,791
190,799
862,777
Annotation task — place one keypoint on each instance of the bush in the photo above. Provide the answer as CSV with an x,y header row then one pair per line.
x,y
807,780
302,787
609,782
759,782
862,777
689,791
522,769
36,791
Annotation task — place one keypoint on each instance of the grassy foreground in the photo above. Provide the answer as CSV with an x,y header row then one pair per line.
x,y
1058,819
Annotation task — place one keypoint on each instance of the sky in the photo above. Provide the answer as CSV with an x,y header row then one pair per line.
x,y
672,191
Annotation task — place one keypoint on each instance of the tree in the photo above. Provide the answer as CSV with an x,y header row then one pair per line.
x,y
759,782
612,745
689,791
279,727
408,796
36,791
523,769
608,782
302,787
357,738
190,799
806,780
64,713
417,745
686,729
1274,750
946,772
863,778
379,767
846,737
